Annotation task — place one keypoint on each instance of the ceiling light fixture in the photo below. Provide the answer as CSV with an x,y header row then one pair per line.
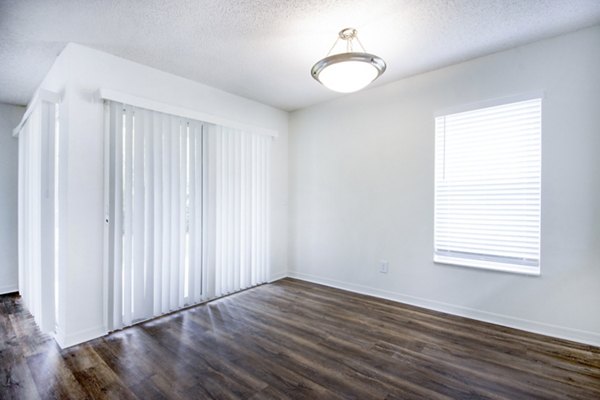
x,y
350,71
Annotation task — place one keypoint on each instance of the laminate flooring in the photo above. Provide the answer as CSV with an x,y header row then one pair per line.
x,y
295,340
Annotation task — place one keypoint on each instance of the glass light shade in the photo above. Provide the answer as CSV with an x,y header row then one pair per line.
x,y
348,72
349,76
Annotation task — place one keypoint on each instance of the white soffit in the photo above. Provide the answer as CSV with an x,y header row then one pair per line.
x,y
264,49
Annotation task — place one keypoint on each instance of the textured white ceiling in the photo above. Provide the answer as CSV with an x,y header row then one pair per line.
x,y
264,49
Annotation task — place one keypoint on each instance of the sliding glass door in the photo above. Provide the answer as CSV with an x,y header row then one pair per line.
x,y
187,212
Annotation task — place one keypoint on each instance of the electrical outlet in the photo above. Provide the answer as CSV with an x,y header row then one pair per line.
x,y
384,266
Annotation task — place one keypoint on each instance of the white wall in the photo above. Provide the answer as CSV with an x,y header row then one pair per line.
x,y
10,116
361,190
80,72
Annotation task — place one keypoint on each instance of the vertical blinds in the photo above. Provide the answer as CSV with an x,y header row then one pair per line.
x,y
188,212
241,196
37,176
30,217
488,187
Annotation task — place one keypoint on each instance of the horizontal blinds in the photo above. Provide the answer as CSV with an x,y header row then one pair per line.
x,y
488,186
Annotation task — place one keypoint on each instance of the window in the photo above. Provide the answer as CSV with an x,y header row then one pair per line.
x,y
488,186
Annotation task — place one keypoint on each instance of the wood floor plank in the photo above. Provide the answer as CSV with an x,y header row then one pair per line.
x,y
296,340
53,378
489,340
361,360
304,349
494,357
236,342
94,375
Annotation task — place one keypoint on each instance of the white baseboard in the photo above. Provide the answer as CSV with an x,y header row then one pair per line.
x,y
275,276
80,337
562,332
9,288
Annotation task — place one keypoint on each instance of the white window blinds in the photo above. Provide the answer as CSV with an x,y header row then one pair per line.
x,y
188,212
37,176
242,209
488,187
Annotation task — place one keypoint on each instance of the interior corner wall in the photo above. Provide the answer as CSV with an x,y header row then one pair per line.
x,y
83,231
361,190
10,116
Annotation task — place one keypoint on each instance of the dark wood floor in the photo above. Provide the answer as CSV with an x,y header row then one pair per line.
x,y
293,339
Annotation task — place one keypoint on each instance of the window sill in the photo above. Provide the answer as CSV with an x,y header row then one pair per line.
x,y
487,265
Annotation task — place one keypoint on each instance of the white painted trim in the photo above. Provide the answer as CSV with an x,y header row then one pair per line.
x,y
105,251
534,94
562,332
113,95
487,265
39,96
9,288
277,276
80,337
58,339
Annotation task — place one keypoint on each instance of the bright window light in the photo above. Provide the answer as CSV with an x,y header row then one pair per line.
x,y
488,187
